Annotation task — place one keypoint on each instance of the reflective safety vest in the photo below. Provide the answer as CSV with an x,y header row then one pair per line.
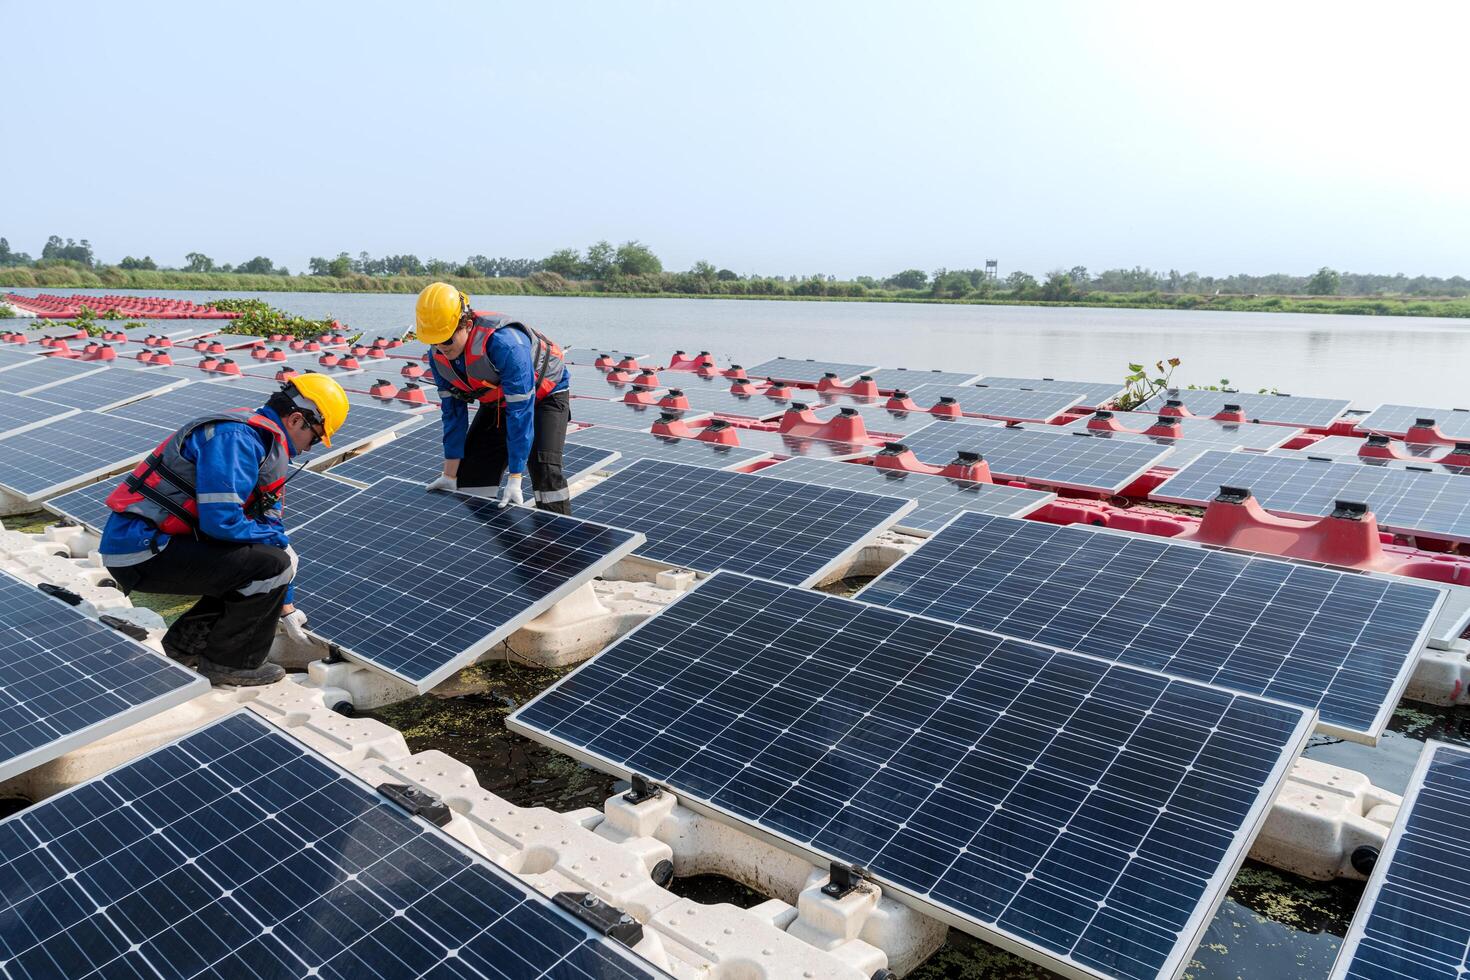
x,y
161,489
480,380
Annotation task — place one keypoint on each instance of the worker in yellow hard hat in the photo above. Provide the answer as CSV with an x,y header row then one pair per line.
x,y
518,379
201,515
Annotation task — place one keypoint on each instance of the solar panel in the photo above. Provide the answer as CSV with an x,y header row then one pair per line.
x,y
1349,446
1421,461
32,374
1396,420
231,341
71,451
161,328
1413,921
1060,458
787,446
1203,431
1094,393
419,455
182,361
704,519
938,498
1084,814
880,421
67,680
589,355
236,851
15,355
620,414
1407,501
173,408
1313,413
1002,403
1316,637
907,379
419,585
631,446
724,402
21,412
108,389
1183,451
807,371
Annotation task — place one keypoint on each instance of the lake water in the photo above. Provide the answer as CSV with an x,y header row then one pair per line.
x,y
1371,360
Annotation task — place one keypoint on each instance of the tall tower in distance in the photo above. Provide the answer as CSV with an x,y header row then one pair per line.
x,y
992,268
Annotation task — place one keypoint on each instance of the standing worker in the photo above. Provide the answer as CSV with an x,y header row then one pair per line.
x,y
201,516
520,380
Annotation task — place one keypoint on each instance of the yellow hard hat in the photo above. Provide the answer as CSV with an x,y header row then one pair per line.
x,y
438,312
328,397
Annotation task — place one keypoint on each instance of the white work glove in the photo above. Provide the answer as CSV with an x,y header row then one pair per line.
x,y
442,482
511,492
294,623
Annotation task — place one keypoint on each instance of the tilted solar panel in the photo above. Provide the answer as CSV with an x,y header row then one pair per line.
x,y
1204,431
723,402
1002,403
1288,409
71,451
1396,420
1421,458
880,421
1061,458
1182,452
1339,642
620,414
810,371
786,445
1408,501
21,412
704,519
172,409
1413,920
67,680
589,355
1085,814
236,851
419,585
1094,393
30,375
107,389
419,455
907,379
631,446
937,498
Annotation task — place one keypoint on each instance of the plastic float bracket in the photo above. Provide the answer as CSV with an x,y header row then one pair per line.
x,y
1348,536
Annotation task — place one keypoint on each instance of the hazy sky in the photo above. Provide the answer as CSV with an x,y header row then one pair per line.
x,y
843,138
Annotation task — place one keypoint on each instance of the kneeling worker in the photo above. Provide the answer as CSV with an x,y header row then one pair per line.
x,y
519,379
201,516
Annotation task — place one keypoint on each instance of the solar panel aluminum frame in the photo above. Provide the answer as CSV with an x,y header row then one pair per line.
x,y
162,383
468,656
1374,887
1183,950
42,754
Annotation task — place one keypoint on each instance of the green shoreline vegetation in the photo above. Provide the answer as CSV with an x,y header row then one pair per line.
x,y
632,270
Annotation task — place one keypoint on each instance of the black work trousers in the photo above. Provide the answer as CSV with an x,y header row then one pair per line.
x,y
241,588
485,455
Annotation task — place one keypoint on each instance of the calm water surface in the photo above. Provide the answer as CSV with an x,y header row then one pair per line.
x,y
1371,360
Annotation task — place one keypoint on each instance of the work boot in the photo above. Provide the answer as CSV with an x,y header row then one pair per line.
x,y
266,673
175,652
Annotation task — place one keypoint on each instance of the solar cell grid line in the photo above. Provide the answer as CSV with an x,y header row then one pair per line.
x,y
1413,920
16,355
419,455
72,451
695,517
890,379
631,446
1396,420
236,851
418,585
107,389
21,412
20,379
1338,642
1084,814
1406,501
1258,436
1063,458
620,414
1094,393
1286,409
937,498
173,408
807,371
86,506
67,680
1182,451
1012,404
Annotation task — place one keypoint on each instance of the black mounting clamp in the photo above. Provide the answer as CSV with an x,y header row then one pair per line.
x,y
417,803
57,592
1349,510
842,880
1233,495
641,790
124,627
606,920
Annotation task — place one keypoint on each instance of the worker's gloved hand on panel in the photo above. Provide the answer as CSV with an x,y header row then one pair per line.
x,y
511,492
442,482
294,623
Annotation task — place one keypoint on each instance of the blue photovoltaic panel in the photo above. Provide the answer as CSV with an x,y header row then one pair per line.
x,y
1407,501
723,402
105,389
795,369
1182,452
938,498
1061,458
696,517
1094,393
1002,403
589,355
621,415
786,446
67,680
1288,409
10,356
1422,457
419,585
236,851
419,455
1088,815
883,423
183,362
163,328
20,412
359,392
172,409
72,451
1396,420
1339,642
231,341
40,371
631,446
1207,433
1413,921
906,379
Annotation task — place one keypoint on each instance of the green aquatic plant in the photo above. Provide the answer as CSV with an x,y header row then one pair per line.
x,y
1139,387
